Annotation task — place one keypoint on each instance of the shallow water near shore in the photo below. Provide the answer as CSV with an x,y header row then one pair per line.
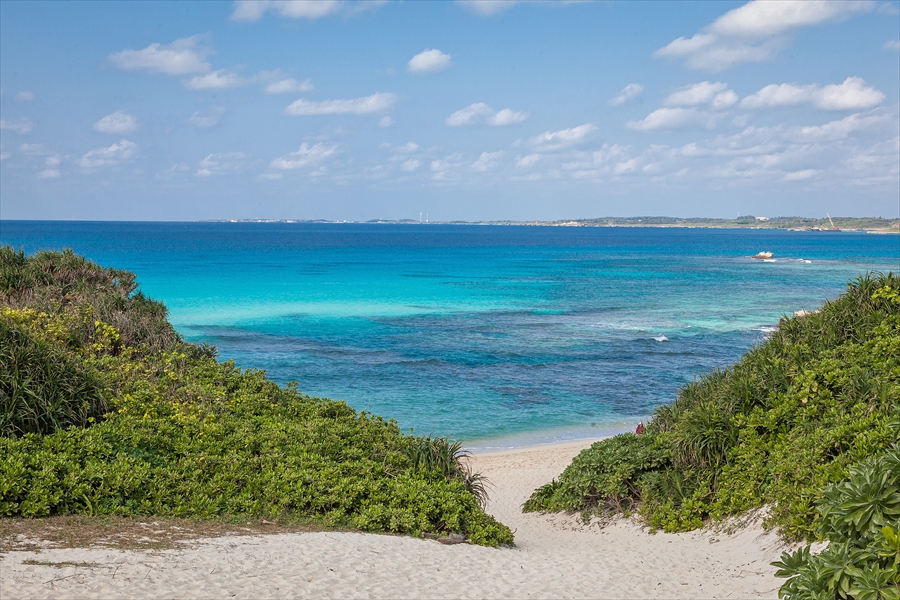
x,y
499,336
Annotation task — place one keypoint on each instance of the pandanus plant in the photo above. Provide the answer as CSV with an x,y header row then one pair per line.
x,y
449,459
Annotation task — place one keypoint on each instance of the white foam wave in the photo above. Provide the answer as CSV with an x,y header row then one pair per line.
x,y
661,338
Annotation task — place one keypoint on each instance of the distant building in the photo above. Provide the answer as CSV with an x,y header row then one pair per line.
x,y
762,218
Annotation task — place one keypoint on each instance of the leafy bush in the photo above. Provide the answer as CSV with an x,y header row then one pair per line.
x,y
786,421
106,411
860,517
606,477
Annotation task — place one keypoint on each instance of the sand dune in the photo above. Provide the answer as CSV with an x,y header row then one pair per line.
x,y
556,556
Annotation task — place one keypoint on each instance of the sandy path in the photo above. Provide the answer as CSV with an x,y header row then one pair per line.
x,y
555,557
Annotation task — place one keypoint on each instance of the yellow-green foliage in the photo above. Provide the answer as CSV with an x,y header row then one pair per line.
x,y
173,432
822,393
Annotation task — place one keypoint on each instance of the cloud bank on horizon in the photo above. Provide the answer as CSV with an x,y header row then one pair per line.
x,y
479,109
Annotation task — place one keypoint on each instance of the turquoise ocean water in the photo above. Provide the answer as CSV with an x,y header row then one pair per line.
x,y
496,335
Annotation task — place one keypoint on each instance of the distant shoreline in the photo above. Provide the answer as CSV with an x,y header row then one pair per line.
x,y
857,224
875,225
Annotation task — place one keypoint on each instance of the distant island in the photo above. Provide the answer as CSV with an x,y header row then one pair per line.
x,y
869,224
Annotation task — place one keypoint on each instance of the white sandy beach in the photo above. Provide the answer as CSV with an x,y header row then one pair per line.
x,y
555,557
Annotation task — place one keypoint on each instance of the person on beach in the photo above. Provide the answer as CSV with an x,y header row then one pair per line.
x,y
640,428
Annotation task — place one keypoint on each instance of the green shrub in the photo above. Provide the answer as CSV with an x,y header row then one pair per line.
x,y
860,517
106,411
822,393
42,388
449,460
606,477
50,282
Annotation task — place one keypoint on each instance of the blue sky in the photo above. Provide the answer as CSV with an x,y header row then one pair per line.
x,y
461,110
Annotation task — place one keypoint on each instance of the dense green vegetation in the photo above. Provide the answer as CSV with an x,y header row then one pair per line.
x,y
105,410
859,518
788,420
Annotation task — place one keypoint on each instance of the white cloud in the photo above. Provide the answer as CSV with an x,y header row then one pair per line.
x,y
708,52
673,118
222,79
306,156
410,165
289,86
523,162
32,149
760,19
441,167
208,119
627,166
892,45
487,7
715,95
20,126
110,156
859,150
628,93
555,140
48,174
839,130
506,117
386,121
429,61
609,153
800,175
469,115
480,113
181,57
24,97
486,161
358,106
117,123
51,159
726,99
253,10
4,155
852,94
755,32
785,94
404,149
249,10
178,168
221,162
271,176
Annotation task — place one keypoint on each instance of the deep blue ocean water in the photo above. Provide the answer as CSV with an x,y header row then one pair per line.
x,y
495,335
